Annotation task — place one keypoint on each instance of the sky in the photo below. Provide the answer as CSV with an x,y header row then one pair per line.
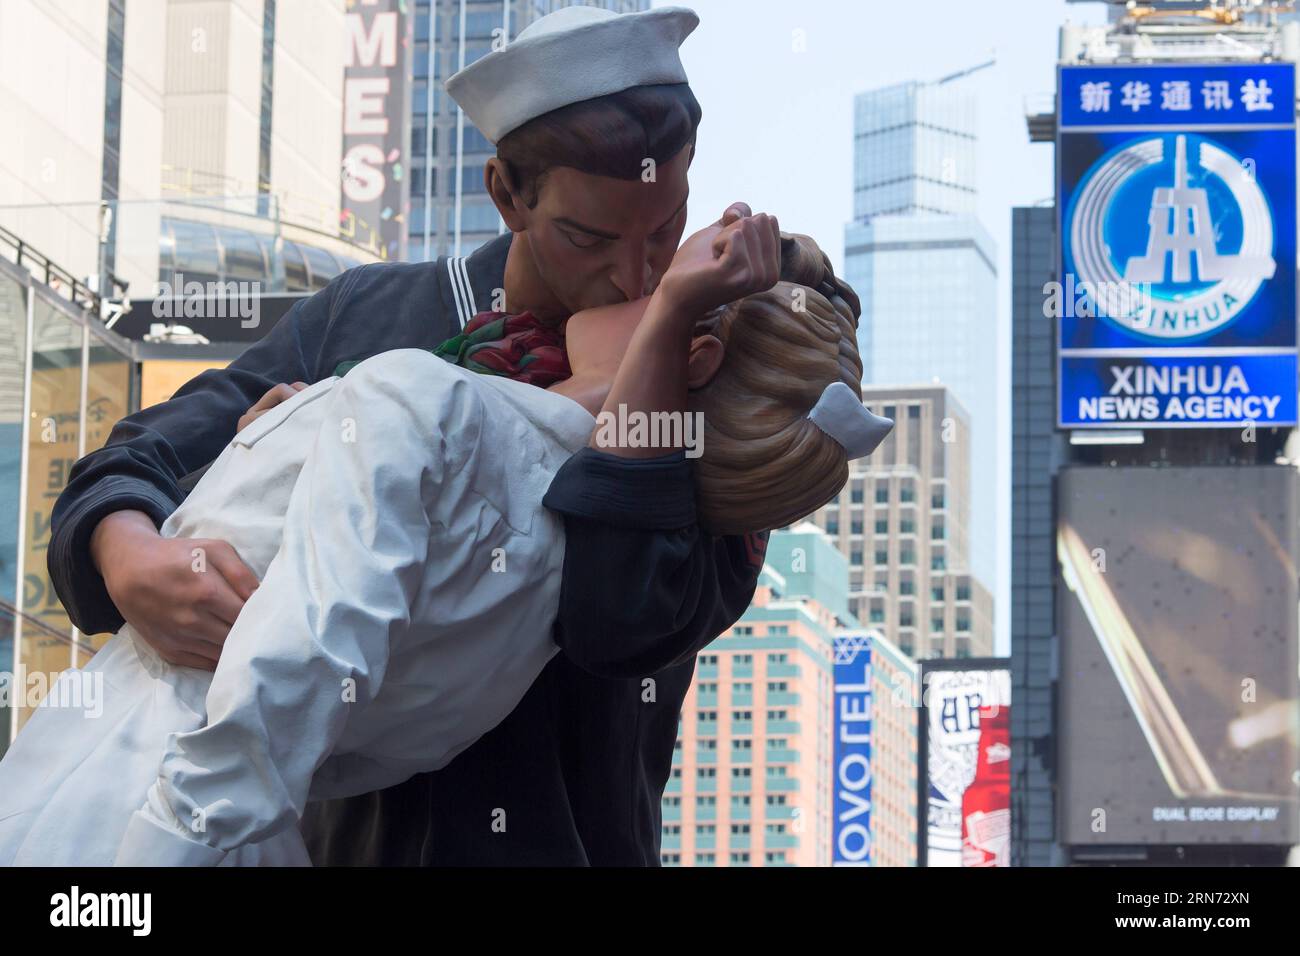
x,y
777,129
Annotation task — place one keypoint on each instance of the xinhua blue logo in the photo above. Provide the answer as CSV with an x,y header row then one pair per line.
x,y
1180,227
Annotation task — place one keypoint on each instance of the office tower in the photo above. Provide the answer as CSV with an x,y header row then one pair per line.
x,y
903,523
924,267
1145,760
165,137
751,780
447,151
1036,453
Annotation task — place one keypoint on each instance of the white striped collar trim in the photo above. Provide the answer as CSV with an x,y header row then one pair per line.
x,y
461,290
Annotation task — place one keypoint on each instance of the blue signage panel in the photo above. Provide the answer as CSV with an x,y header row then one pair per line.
x,y
1176,200
851,826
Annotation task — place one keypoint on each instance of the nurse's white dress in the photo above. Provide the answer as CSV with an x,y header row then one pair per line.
x,y
410,579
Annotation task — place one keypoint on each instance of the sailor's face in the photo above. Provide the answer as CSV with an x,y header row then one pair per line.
x,y
599,241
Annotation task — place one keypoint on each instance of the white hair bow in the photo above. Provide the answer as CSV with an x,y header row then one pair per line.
x,y
841,414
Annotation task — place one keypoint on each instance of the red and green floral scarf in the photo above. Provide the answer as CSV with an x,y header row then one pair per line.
x,y
498,343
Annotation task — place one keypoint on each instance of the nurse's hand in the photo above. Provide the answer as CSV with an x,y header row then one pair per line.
x,y
276,395
180,594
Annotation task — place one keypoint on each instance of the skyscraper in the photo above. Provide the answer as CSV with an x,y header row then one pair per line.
x,y
924,267
450,209
903,522
1036,453
751,779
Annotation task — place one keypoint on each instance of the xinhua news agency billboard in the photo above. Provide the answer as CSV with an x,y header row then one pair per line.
x,y
851,825
1176,205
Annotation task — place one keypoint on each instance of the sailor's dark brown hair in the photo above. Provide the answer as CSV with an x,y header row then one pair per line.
x,y
610,135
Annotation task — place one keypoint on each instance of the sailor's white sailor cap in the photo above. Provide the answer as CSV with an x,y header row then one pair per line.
x,y
571,55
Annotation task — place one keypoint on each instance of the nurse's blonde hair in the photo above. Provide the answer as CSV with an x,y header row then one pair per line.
x,y
763,464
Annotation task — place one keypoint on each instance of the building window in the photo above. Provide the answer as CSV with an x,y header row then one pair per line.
x,y
832,526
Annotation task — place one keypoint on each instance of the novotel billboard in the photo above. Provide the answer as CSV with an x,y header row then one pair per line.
x,y
1176,286
851,824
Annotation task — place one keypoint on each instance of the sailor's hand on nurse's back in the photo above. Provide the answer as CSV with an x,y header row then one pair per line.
x,y
722,263
274,396
180,594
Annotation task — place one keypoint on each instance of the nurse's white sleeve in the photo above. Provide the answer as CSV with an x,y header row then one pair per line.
x,y
313,641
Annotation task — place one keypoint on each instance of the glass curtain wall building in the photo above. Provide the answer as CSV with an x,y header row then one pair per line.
x,y
451,213
924,266
64,382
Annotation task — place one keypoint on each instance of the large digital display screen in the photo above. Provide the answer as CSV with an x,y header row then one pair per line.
x,y
1177,619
